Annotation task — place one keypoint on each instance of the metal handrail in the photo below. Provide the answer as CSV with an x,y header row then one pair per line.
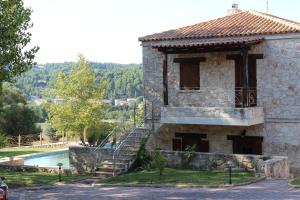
x,y
116,152
104,141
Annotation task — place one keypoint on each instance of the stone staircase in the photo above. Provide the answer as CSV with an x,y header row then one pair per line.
x,y
121,159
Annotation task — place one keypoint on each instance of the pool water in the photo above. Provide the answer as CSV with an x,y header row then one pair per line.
x,y
49,159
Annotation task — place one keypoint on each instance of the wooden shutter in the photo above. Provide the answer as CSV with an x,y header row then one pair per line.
x,y
189,76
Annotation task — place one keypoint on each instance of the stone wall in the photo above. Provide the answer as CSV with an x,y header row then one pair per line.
x,y
216,135
24,168
272,167
84,159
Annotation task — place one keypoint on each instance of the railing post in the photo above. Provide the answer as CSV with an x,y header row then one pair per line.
x,y
63,137
19,141
66,137
152,116
41,139
134,112
114,164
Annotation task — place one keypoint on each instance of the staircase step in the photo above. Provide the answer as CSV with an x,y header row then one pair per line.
x,y
110,169
111,164
104,174
125,155
119,160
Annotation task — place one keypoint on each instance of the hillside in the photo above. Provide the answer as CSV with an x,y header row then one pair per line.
x,y
125,80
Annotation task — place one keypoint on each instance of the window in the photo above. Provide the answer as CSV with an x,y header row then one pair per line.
x,y
184,140
246,144
189,72
189,76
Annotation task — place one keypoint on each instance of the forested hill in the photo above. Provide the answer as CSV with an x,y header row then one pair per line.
x,y
125,80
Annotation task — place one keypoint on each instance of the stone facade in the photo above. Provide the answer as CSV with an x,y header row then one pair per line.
x,y
278,92
271,167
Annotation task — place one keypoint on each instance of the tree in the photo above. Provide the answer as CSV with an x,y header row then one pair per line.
x,y
14,37
3,140
82,105
16,117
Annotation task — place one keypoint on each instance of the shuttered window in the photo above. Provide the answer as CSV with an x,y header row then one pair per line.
x,y
189,76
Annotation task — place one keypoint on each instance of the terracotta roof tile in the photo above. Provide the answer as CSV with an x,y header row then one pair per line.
x,y
206,42
241,24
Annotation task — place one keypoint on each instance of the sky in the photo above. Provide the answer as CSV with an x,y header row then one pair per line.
x,y
108,30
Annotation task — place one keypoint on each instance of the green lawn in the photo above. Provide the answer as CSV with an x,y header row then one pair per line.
x,y
176,176
296,181
21,151
20,179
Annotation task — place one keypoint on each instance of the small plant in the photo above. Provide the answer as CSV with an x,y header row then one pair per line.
x,y
143,158
189,154
159,161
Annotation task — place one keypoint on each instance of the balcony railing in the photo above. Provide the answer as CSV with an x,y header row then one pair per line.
x,y
240,97
245,97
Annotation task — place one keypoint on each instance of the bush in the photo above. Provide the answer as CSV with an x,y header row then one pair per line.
x,y
143,160
189,155
3,140
51,133
97,133
159,161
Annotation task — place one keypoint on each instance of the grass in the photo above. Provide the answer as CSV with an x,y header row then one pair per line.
x,y
176,176
11,152
20,179
296,181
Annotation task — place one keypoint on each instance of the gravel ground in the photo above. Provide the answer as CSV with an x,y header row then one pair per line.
x,y
267,189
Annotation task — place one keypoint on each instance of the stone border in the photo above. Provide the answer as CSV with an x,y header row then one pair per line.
x,y
180,185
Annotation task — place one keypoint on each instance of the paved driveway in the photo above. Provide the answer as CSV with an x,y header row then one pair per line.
x,y
269,189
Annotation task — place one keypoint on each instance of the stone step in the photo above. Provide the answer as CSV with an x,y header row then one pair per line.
x,y
132,142
102,174
119,160
130,147
111,164
142,130
110,169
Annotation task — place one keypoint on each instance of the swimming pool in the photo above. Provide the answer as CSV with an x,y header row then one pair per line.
x,y
49,159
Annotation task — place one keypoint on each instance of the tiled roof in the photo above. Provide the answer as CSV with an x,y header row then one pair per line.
x,y
246,23
207,42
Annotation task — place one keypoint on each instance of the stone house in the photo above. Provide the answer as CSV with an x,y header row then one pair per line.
x,y
229,85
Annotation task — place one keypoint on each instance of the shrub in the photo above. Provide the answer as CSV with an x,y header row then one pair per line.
x,y
159,161
51,133
3,140
143,160
189,154
97,133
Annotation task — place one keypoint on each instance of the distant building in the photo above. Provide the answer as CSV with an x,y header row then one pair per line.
x,y
41,84
58,100
39,101
106,101
131,101
120,102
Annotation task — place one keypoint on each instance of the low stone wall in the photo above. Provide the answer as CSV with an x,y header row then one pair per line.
x,y
24,168
83,159
272,167
12,161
